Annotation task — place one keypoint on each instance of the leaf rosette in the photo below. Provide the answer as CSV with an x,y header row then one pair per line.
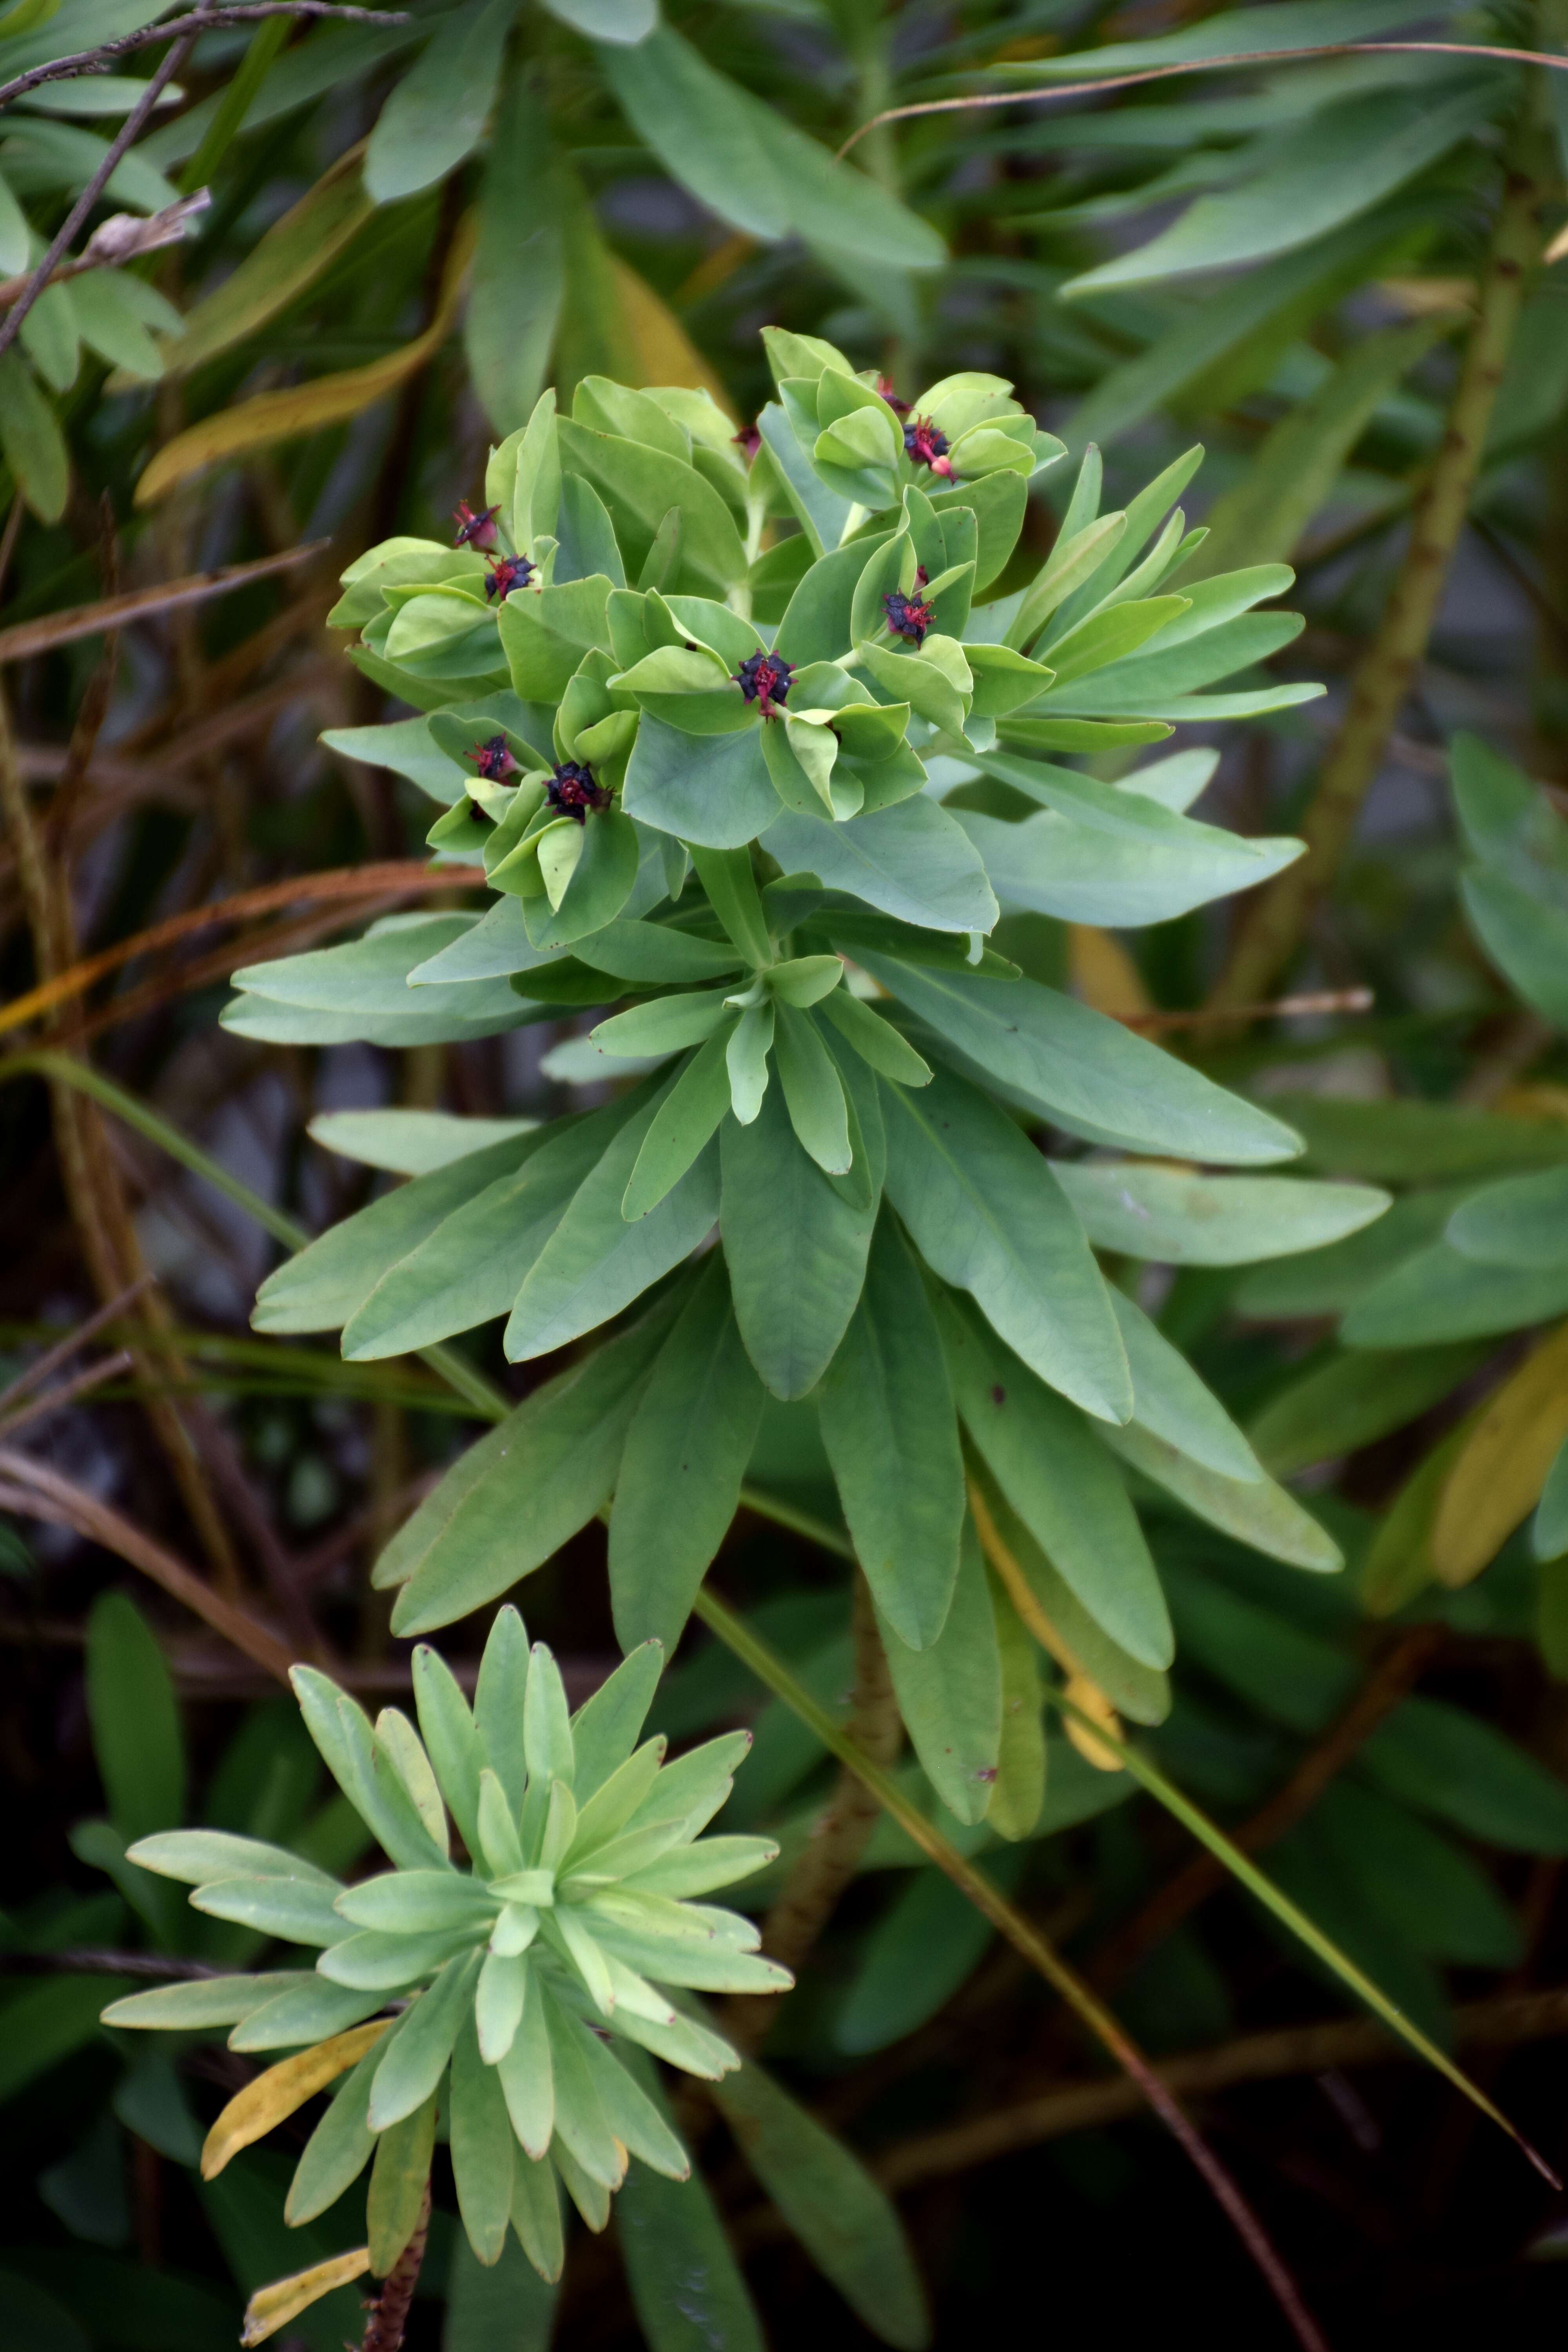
x,y
774,762
484,1996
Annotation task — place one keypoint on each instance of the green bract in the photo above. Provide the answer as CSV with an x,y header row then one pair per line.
x,y
761,806
506,1977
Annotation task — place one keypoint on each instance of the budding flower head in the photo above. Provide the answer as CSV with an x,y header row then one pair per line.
x,y
475,530
748,440
485,1981
765,680
493,760
572,790
506,573
885,386
927,445
908,616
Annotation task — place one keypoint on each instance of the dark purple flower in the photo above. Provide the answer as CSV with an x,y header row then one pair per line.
x,y
908,616
475,530
494,761
765,680
899,407
748,440
571,790
927,445
506,573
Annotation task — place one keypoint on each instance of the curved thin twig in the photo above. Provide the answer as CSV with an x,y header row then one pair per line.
x,y
210,20
1101,82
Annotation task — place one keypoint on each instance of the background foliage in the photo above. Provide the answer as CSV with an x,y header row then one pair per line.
x,y
1330,271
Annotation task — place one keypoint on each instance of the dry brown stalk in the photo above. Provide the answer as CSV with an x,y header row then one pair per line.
x,y
838,1839
94,1189
33,1490
51,629
1276,918
393,877
1497,2024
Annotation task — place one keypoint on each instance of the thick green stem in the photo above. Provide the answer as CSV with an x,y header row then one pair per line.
x,y
1277,917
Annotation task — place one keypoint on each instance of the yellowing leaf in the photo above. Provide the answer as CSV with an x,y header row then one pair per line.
x,y
252,2113
1502,1468
1082,1690
291,256
306,407
1103,973
615,324
1398,1564
665,352
1091,1700
272,2307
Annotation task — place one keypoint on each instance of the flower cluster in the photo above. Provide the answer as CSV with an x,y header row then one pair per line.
x,y
485,1986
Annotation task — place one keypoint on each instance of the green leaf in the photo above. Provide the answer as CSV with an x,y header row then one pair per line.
x,y
604,1730
399,2176
1526,937
504,2308
685,1121
984,1211
31,441
519,278
1018,1791
1347,1400
1438,1295
890,1431
686,2284
483,2148
536,2218
137,1742
1419,1142
913,861
340,2145
1171,1402
701,129
1256,1511
1294,473
640,487
1521,1222
1044,1458
595,1262
517,1494
414,2063
1052,866
471,1265
886,1998
328,1281
795,1249
1424,1887
847,2223
1190,1220
436,116
1082,1070
1325,171
607,20
410,1142
206,2002
1440,1761
1548,1530
950,1694
711,789
311,2011
686,1454
812,1091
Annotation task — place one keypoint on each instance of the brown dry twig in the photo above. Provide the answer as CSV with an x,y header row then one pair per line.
x,y
209,20
34,1491
393,877
51,629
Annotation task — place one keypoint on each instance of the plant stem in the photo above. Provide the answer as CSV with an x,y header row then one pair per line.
x,y
770,1671
388,2315
832,1854
1276,917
